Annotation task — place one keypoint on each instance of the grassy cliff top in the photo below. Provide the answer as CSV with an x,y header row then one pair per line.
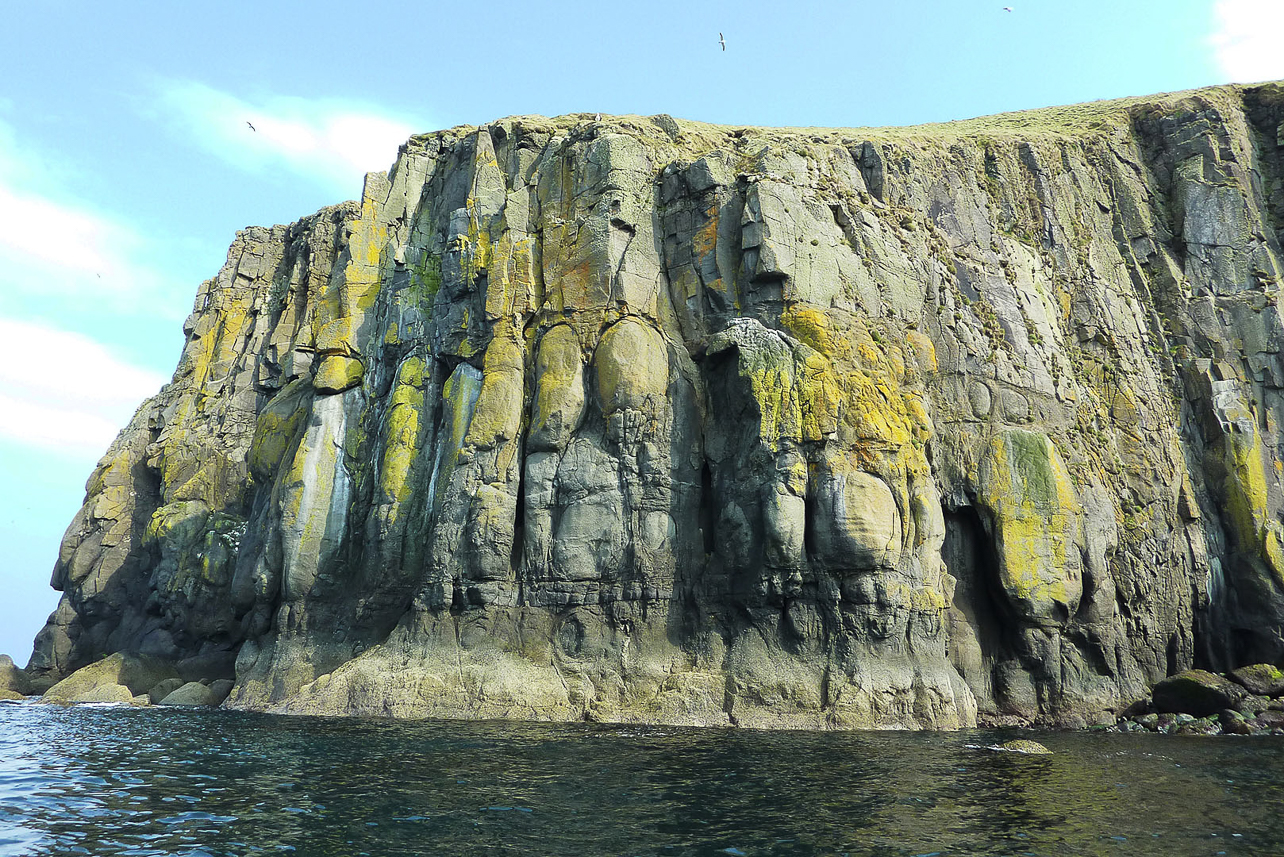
x,y
1061,121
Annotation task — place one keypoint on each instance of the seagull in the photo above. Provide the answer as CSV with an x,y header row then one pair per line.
x,y
722,41
252,128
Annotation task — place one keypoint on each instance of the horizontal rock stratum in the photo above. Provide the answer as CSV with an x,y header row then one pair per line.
x,y
640,419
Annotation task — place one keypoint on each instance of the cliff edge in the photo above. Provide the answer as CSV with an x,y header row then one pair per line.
x,y
640,419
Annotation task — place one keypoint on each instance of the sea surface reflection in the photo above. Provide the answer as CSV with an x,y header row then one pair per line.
x,y
107,781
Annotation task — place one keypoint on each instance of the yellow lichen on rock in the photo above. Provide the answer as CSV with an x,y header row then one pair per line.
x,y
343,306
1036,521
558,406
277,428
812,326
337,373
1247,497
498,414
820,396
632,363
402,432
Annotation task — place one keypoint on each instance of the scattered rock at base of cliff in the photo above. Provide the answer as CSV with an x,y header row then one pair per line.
x,y
163,689
1196,702
1196,692
193,693
1260,679
116,678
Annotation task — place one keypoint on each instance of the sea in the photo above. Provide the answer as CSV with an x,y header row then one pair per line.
x,y
102,780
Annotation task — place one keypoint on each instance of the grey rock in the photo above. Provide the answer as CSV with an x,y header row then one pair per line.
x,y
1196,693
1260,679
136,674
13,679
193,693
163,689
659,421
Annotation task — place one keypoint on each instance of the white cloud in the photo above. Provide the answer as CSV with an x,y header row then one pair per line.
x,y
333,142
43,231
55,247
1248,39
72,395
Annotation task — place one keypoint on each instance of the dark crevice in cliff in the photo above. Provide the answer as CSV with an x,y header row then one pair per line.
x,y
707,515
969,556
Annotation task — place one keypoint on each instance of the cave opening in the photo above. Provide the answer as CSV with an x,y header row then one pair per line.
x,y
969,556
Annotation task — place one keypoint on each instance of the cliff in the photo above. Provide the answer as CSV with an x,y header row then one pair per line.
x,y
641,419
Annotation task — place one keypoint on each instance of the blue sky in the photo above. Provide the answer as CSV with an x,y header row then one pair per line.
x,y
126,165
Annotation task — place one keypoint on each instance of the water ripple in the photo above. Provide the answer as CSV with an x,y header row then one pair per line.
x,y
125,781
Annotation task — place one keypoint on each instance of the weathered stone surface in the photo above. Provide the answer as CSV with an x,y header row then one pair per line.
x,y
1196,692
96,682
101,693
193,693
1260,679
12,679
648,420
163,689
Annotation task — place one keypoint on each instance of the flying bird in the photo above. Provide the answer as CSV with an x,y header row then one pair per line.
x,y
252,128
1007,8
722,41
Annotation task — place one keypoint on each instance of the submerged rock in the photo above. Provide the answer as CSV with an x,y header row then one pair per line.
x,y
648,420
1024,746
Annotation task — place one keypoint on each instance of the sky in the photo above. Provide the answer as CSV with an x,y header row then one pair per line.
x,y
127,163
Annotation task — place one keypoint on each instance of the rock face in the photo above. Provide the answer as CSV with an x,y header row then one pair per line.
x,y
648,420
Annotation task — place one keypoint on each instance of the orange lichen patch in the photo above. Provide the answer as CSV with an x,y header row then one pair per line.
x,y
705,240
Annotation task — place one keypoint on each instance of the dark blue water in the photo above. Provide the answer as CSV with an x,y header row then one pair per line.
x,y
108,781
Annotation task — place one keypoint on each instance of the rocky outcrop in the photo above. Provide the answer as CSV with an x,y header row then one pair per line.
x,y
643,419
13,681
117,678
